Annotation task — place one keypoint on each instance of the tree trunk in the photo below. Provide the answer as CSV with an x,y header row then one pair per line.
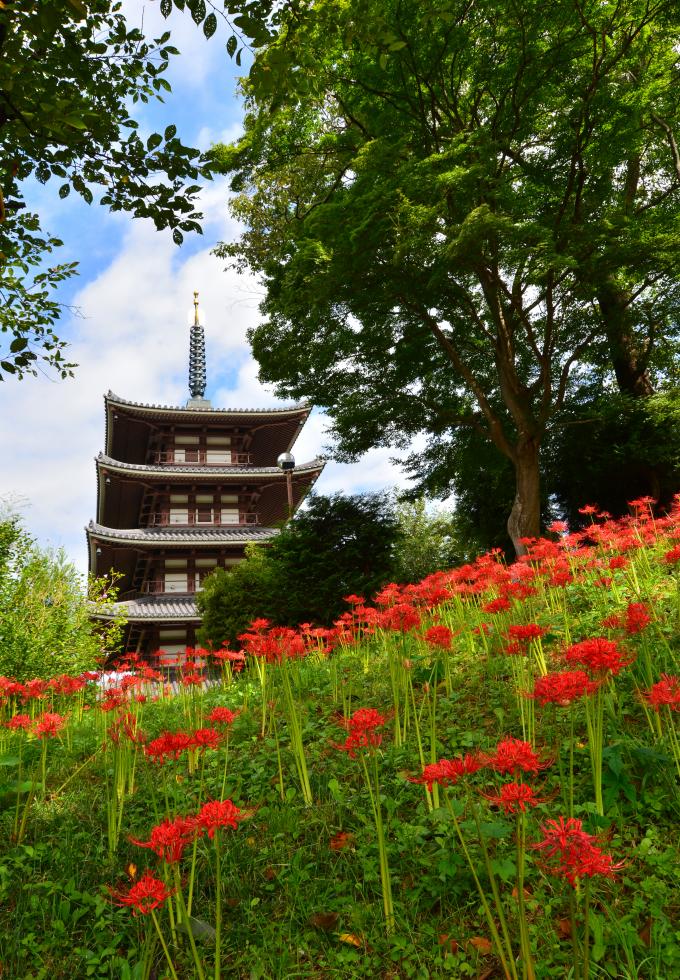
x,y
525,517
628,361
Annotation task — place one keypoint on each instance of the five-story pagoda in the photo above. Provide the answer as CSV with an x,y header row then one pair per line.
x,y
181,491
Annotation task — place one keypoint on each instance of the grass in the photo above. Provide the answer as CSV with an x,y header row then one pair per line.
x,y
301,887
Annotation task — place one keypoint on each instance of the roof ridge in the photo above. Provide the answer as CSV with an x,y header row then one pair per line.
x,y
111,396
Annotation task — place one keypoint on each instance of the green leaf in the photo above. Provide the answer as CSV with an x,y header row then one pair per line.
x,y
232,45
9,760
210,25
153,141
166,7
177,236
169,132
197,8
335,790
64,190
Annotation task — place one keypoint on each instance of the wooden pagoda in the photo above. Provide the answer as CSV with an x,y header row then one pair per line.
x,y
181,491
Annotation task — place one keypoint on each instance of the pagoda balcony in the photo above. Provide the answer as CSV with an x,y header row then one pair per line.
x,y
200,457
190,518
158,586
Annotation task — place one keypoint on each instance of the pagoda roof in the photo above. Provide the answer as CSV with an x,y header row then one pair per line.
x,y
154,608
168,536
213,473
220,414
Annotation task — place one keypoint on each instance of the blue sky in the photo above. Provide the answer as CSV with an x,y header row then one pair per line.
x,y
130,309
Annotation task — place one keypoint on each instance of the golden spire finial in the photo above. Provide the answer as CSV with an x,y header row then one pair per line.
x,y
195,309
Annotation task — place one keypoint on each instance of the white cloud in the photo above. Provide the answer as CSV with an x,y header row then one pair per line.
x,y
133,339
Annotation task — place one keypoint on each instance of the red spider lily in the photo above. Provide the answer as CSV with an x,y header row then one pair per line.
x,y
558,527
388,595
218,813
562,688
34,689
512,755
64,684
525,632
222,716
665,692
167,745
19,722
49,725
497,605
146,894
673,556
354,600
362,731
126,724
637,617
400,617
514,797
439,636
598,655
589,509
170,837
206,738
577,852
618,561
447,772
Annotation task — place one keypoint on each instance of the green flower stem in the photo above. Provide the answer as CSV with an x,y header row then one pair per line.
x,y
218,905
586,933
296,742
507,963
373,786
527,957
163,944
574,935
187,922
595,722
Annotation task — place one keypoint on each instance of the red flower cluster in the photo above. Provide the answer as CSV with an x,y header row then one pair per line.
x,y
216,814
439,636
49,725
221,716
170,838
597,655
170,745
362,727
447,772
513,755
525,632
665,693
576,852
562,688
497,605
514,797
145,895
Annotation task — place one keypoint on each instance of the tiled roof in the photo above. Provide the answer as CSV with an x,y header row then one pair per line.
x,y
183,535
150,406
214,471
151,608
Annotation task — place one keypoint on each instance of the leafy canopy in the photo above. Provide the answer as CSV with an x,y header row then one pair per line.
x,y
71,72
457,210
46,624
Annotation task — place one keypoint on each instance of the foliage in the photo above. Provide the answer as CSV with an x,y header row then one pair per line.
x,y
337,545
71,72
612,450
46,623
302,885
456,209
428,543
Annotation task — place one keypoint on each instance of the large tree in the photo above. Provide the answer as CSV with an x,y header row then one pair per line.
x,y
456,208
70,73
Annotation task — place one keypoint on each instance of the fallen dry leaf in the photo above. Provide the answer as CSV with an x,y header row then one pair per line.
x,y
324,920
563,927
351,939
481,944
341,840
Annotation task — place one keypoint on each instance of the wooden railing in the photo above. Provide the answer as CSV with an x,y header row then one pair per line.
x,y
162,519
200,457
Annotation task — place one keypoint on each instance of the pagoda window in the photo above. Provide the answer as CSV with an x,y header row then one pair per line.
x,y
176,578
186,449
179,509
172,643
204,508
218,449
